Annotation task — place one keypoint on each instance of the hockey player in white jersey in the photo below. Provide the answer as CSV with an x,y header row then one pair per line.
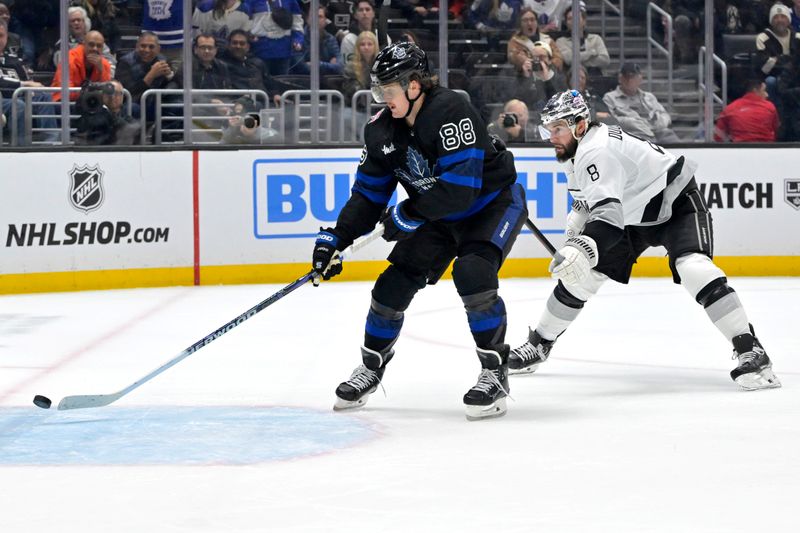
x,y
631,194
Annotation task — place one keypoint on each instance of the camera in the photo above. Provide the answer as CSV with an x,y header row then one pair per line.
x,y
90,100
536,64
251,120
510,120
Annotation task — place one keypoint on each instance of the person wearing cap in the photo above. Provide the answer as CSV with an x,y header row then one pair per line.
x,y
464,206
751,118
537,80
774,48
593,52
639,112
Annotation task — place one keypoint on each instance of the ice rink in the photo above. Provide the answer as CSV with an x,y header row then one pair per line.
x,y
633,425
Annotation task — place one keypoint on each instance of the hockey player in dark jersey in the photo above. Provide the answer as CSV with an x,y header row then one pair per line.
x,y
462,204
631,194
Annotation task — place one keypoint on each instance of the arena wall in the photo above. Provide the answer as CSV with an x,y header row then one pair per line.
x,y
98,220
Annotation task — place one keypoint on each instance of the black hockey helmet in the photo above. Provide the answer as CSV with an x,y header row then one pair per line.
x,y
396,63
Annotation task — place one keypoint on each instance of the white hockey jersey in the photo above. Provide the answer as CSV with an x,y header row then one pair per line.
x,y
622,180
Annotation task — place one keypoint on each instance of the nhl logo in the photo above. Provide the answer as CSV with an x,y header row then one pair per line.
x,y
792,193
86,188
399,53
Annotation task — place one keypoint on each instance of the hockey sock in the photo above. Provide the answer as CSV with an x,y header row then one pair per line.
x,y
382,328
562,308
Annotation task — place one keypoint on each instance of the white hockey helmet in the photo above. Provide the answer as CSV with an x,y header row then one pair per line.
x,y
568,106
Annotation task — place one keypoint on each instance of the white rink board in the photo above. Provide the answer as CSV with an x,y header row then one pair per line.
x,y
265,206
141,216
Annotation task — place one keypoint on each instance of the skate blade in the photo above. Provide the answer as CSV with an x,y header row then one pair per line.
x,y
764,379
479,412
344,405
522,371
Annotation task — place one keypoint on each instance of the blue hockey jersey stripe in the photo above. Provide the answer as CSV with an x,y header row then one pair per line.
x,y
373,182
463,155
465,181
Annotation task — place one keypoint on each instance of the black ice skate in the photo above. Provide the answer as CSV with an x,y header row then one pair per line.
x,y
755,369
526,358
364,380
487,399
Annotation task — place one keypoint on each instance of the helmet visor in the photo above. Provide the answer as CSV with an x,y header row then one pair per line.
x,y
382,93
553,128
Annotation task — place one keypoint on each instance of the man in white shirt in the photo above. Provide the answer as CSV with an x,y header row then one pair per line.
x,y
630,195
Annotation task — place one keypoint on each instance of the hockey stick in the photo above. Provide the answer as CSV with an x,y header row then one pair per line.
x,y
98,400
540,237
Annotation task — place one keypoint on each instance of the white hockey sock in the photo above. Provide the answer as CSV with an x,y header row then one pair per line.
x,y
728,315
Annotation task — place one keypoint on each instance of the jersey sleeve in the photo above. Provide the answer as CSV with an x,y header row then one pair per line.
x,y
602,177
461,145
370,194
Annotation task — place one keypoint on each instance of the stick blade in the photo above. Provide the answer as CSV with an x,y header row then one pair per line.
x,y
84,401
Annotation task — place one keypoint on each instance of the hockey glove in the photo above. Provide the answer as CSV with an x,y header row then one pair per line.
x,y
397,225
574,260
325,260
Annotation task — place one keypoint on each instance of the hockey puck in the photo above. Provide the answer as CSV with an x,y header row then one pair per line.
x,y
42,401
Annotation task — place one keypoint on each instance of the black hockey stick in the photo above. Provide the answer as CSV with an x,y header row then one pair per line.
x,y
540,237
99,400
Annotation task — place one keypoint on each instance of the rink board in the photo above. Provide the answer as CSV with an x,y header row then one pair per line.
x,y
131,219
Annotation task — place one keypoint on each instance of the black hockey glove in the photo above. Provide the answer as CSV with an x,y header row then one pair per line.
x,y
397,225
325,260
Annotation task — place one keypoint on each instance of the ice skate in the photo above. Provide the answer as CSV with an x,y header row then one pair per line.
x,y
487,399
755,369
364,380
527,358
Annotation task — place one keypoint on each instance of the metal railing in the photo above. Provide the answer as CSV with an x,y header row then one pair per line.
x,y
722,99
666,51
330,117
621,12
202,124
29,116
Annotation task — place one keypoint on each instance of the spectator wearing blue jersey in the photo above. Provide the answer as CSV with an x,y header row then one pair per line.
x,y
278,30
165,19
221,17
329,61
489,16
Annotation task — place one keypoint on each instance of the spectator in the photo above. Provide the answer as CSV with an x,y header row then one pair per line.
x,y
245,127
86,62
245,71
14,75
774,46
688,16
593,53
328,51
537,80
102,15
365,20
340,12
494,18
79,26
751,118
550,13
208,72
796,16
103,120
521,43
278,28
356,71
513,124
221,17
32,19
638,111
14,46
165,19
597,108
416,11
789,89
144,68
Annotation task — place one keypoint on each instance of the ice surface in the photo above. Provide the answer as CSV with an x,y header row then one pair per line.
x,y
632,426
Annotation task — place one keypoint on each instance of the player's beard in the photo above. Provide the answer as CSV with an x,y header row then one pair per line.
x,y
568,152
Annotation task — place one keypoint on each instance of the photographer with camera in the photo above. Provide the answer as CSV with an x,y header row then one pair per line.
x,y
102,119
513,126
537,80
244,125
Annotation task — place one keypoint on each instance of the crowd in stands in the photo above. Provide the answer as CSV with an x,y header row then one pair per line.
x,y
525,56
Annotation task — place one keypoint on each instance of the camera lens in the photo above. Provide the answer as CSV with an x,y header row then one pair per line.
x,y
249,122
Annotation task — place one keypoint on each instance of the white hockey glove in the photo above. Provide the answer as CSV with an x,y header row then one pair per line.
x,y
572,263
576,221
